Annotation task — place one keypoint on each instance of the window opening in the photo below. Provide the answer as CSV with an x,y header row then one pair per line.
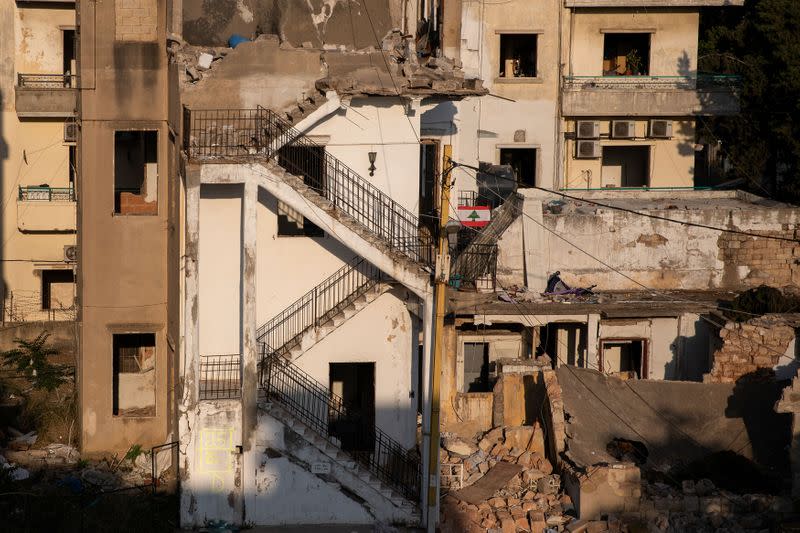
x,y
309,162
626,166
134,386
518,55
626,357
523,161
136,173
70,55
58,289
626,54
477,367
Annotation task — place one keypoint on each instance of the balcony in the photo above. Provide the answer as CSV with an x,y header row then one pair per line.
x,y
651,96
46,209
46,95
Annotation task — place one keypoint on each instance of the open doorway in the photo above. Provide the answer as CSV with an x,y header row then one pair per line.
x,y
564,343
70,56
308,162
355,384
625,357
626,166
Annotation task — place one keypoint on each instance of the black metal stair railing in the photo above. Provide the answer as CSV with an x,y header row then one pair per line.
x,y
262,133
320,304
326,413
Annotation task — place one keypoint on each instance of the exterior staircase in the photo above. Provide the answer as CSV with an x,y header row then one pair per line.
x,y
387,477
305,106
324,308
320,187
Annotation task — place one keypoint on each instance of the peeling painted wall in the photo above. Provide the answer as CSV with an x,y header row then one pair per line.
x,y
656,254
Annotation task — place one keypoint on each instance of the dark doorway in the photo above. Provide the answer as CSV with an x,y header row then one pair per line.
x,y
565,343
476,367
626,166
70,54
624,356
309,162
355,384
523,161
626,54
428,174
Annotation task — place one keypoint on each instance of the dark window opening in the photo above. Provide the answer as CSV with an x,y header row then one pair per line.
x,y
626,357
564,343
58,289
134,386
70,54
523,161
428,172
626,166
73,161
626,54
136,173
477,368
355,426
308,162
518,55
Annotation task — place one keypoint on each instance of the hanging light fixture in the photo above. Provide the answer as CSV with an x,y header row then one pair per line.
x,y
372,156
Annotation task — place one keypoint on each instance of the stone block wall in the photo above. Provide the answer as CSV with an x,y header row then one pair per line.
x,y
767,261
759,343
136,20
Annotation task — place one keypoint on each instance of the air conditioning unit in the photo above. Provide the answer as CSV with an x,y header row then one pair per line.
x,y
71,254
661,129
70,131
588,129
623,129
589,150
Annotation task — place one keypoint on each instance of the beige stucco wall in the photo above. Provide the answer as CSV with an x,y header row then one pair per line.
x,y
673,44
32,152
671,160
123,259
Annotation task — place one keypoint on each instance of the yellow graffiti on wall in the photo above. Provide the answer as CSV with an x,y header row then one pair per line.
x,y
215,455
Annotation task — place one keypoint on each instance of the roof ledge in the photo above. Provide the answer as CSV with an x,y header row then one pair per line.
x,y
652,3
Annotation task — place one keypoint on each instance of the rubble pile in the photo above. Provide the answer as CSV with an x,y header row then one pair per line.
x,y
530,501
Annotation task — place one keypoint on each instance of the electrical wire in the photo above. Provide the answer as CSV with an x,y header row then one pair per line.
x,y
631,211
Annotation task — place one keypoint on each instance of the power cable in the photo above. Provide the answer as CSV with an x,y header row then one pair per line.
x,y
631,211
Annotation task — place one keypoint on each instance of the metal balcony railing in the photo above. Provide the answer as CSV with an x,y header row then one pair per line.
x,y
47,81
693,82
319,304
220,377
261,133
329,417
46,194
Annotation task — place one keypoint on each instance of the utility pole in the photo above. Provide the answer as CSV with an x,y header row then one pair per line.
x,y
442,278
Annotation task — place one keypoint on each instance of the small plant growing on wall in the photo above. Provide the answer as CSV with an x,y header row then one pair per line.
x,y
633,63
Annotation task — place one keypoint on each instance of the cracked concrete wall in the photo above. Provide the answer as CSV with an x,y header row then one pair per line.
x,y
657,254
349,23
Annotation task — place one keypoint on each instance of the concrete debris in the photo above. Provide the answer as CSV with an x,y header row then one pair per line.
x,y
204,61
458,447
20,441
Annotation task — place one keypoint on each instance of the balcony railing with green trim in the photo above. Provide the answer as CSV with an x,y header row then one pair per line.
x,y
46,194
692,82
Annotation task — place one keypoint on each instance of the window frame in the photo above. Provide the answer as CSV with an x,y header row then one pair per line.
x,y
144,330
155,130
537,33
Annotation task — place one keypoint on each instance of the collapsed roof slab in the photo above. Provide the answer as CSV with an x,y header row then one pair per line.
x,y
678,422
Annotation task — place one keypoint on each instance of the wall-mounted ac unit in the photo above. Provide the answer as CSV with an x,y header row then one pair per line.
x,y
71,253
589,150
623,129
587,129
661,129
70,131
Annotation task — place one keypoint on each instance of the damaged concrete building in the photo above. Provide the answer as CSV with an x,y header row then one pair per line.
x,y
261,188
